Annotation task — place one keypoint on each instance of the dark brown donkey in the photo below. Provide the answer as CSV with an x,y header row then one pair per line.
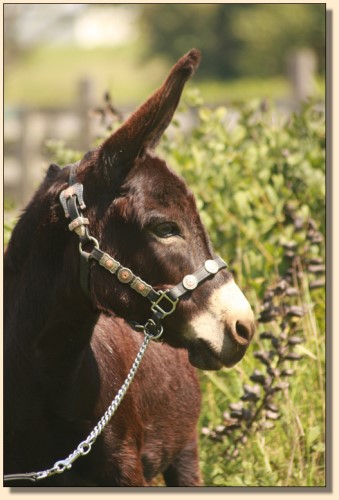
x,y
68,350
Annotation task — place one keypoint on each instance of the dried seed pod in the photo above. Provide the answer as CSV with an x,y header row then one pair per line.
x,y
293,356
215,437
294,340
310,234
267,425
263,357
252,389
230,423
299,223
233,426
289,254
290,245
220,429
269,314
271,407
315,261
267,335
244,439
282,386
276,343
235,453
287,372
280,287
237,414
317,284
272,415
317,238
252,393
282,351
291,291
268,296
272,390
249,396
295,311
316,268
283,336
275,372
247,414
236,406
258,377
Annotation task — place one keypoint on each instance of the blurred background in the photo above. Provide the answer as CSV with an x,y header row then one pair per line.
x,y
61,59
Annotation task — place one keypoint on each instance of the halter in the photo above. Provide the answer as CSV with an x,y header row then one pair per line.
x,y
163,303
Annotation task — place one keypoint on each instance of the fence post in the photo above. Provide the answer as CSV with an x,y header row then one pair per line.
x,y
25,157
301,72
85,104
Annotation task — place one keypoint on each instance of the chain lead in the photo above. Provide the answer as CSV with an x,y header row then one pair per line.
x,y
85,446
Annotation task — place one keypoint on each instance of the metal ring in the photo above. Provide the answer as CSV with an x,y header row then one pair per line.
x,y
86,254
159,328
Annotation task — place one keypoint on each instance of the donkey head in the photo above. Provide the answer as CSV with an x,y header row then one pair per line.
x,y
144,215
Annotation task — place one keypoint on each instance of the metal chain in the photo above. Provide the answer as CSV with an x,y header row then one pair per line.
x,y
85,446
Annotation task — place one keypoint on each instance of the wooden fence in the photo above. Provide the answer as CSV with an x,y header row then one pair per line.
x,y
27,130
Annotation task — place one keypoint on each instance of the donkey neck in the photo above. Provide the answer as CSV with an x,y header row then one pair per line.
x,y
42,290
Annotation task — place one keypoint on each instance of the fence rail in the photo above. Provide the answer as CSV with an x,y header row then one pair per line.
x,y
27,130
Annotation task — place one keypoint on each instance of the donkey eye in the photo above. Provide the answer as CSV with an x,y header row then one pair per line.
x,y
166,229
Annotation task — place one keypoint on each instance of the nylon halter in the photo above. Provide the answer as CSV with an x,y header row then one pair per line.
x,y
163,303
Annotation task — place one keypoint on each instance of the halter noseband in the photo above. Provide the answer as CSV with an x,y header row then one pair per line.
x,y
163,303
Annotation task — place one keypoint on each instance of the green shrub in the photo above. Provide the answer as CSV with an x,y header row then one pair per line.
x,y
260,187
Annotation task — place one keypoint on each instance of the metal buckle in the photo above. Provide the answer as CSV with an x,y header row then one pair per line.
x,y
157,308
74,190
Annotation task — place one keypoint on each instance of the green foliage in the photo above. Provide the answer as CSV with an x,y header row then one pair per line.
x,y
60,154
236,39
243,176
260,183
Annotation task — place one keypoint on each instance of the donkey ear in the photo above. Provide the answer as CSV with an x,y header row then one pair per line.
x,y
145,126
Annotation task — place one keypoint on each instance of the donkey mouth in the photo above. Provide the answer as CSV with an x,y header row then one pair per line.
x,y
203,356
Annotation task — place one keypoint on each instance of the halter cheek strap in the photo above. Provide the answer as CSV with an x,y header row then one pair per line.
x,y
163,303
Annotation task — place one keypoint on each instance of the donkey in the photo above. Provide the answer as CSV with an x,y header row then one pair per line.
x,y
70,339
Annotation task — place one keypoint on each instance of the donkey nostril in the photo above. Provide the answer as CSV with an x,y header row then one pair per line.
x,y
244,330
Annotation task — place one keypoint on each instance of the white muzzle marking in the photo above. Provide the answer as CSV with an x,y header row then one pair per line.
x,y
217,324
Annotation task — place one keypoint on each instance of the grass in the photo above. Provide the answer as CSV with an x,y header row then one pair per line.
x,y
50,75
292,452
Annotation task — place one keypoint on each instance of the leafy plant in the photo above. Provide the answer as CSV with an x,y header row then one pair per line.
x,y
259,179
